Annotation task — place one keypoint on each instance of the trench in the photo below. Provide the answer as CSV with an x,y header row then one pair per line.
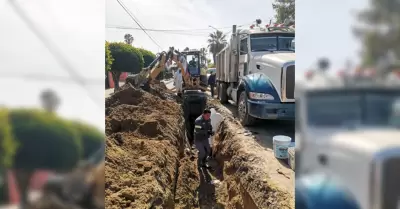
x,y
149,163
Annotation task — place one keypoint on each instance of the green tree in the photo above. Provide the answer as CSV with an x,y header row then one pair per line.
x,y
8,145
108,59
45,141
186,49
216,42
126,59
203,55
284,10
128,38
91,138
379,30
148,56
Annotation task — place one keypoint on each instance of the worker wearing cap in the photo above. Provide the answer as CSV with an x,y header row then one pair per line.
x,y
317,191
202,132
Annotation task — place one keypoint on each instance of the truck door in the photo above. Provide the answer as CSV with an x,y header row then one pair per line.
x,y
244,50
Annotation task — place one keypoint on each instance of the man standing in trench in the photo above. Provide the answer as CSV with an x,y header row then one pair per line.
x,y
202,132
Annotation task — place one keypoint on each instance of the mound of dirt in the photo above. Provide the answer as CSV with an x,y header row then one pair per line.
x,y
251,177
145,143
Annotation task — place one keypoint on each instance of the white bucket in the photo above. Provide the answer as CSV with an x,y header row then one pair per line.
x,y
281,144
216,119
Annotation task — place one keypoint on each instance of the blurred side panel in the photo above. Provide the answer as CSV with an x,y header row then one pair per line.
x,y
52,103
348,104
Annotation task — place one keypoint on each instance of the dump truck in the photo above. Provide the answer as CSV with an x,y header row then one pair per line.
x,y
256,71
349,130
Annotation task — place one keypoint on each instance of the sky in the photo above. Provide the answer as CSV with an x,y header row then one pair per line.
x,y
323,29
78,31
182,15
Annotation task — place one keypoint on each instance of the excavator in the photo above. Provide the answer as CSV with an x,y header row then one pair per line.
x,y
191,80
194,98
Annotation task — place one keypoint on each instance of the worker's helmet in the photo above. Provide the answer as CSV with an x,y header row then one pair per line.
x,y
318,191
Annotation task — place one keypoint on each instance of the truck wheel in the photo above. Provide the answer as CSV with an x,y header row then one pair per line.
x,y
223,97
244,117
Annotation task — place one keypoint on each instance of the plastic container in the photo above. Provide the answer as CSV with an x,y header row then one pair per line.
x,y
281,144
216,119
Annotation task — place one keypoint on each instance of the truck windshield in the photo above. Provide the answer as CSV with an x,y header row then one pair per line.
x,y
271,42
339,108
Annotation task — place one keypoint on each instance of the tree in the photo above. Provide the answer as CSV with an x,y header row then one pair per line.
x,y
45,141
109,59
91,138
380,31
216,42
8,145
203,55
128,38
284,10
50,100
148,56
126,59
186,49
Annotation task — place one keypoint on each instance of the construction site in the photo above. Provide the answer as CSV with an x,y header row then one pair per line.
x,y
149,163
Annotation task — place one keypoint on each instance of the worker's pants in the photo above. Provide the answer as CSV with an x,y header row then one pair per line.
x,y
204,148
212,90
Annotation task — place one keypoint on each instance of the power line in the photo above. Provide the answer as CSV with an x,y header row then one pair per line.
x,y
51,47
169,30
203,34
137,22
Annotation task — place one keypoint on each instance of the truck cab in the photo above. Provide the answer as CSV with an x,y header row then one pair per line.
x,y
256,71
352,134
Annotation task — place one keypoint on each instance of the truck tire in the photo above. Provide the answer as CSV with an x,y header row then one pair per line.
x,y
222,95
244,117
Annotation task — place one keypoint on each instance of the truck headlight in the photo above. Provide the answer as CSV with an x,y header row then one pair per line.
x,y
260,96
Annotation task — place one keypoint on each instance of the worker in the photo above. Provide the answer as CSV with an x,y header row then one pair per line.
x,y
181,59
193,62
178,81
202,132
211,82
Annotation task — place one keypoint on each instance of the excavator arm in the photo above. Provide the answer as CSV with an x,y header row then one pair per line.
x,y
149,73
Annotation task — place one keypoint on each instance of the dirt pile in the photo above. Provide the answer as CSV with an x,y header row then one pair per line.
x,y
145,147
249,177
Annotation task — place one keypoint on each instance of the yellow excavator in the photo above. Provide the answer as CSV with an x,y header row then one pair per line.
x,y
194,98
191,80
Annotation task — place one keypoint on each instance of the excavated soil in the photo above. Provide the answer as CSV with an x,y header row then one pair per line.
x,y
149,165
250,176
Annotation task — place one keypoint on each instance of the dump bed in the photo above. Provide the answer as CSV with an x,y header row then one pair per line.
x,y
226,63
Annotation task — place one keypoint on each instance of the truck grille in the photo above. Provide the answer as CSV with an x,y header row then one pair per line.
x,y
390,183
290,79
